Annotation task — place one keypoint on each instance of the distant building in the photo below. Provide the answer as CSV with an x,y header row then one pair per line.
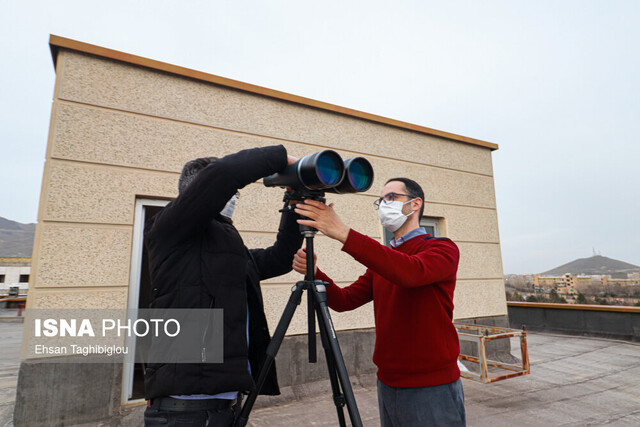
x,y
565,281
567,292
14,275
609,281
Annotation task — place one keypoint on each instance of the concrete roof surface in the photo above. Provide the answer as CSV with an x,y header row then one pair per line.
x,y
10,339
573,381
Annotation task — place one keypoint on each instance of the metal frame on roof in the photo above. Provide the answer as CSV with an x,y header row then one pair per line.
x,y
481,335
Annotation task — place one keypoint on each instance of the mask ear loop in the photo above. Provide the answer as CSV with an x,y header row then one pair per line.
x,y
412,212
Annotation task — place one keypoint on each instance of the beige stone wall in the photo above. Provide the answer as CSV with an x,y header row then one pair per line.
x,y
121,132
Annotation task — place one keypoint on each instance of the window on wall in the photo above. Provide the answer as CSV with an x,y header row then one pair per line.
x,y
1,278
24,278
430,224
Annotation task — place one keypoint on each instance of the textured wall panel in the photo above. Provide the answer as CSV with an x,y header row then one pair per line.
x,y
77,192
479,261
80,298
116,85
479,298
257,210
465,223
472,299
338,265
101,136
439,185
98,135
83,256
277,296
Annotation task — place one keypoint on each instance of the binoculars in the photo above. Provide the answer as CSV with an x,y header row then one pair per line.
x,y
325,171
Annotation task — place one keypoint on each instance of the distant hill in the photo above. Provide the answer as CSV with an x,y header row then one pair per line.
x,y
595,265
16,239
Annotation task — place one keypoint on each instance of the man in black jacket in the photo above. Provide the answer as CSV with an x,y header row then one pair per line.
x,y
197,260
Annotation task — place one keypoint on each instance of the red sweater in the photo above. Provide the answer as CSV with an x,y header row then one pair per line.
x,y
412,291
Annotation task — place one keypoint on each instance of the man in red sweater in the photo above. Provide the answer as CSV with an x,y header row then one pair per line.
x,y
411,285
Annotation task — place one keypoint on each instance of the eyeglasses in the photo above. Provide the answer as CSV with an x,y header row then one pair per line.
x,y
390,197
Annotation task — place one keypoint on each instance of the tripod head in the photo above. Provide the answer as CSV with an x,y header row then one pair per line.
x,y
300,196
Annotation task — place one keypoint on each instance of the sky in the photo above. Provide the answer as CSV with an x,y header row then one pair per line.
x,y
556,84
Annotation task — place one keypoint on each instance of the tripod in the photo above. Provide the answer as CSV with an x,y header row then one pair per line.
x,y
317,304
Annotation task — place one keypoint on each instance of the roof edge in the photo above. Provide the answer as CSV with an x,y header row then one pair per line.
x,y
588,307
57,42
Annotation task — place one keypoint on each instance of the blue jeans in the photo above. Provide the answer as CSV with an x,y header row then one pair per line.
x,y
441,405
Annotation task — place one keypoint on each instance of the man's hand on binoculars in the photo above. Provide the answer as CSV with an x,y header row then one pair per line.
x,y
323,218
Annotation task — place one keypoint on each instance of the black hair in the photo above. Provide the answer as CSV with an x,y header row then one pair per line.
x,y
191,170
413,189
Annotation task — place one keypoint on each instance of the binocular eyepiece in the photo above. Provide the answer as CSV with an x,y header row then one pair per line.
x,y
325,171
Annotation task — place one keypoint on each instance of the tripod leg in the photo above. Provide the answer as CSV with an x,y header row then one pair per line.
x,y
325,320
272,350
311,329
338,397
311,303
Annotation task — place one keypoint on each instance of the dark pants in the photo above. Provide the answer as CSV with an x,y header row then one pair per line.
x,y
215,418
441,405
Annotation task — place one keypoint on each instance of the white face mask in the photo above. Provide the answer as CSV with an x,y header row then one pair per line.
x,y
229,207
391,215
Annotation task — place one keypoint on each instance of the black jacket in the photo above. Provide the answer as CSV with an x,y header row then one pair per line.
x,y
197,260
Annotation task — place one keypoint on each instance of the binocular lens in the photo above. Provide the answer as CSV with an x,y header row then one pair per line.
x,y
316,171
360,175
329,169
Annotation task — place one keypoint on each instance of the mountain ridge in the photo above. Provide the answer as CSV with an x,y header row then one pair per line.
x,y
16,238
595,265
